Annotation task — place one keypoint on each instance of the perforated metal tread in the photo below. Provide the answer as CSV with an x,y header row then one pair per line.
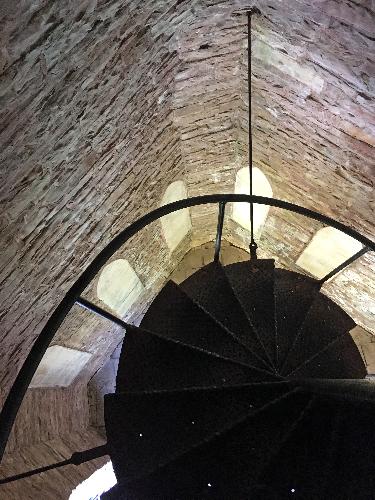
x,y
174,315
294,294
209,287
181,420
151,362
219,468
300,469
340,359
253,285
324,322
237,447
353,462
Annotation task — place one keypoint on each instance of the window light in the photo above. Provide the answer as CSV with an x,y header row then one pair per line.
x,y
261,187
119,286
176,225
328,249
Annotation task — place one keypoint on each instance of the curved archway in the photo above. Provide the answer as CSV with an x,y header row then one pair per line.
x,y
177,225
261,187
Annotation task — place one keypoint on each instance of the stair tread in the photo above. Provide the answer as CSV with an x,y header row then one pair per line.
x,y
160,426
253,285
353,465
300,468
341,359
210,288
294,294
149,361
324,322
341,389
174,315
228,465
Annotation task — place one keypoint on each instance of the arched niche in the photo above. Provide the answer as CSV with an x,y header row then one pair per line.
x,y
119,286
261,187
177,225
328,249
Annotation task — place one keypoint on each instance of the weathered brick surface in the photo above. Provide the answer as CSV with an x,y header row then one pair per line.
x,y
104,103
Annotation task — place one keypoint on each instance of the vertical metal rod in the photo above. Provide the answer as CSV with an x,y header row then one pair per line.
x,y
250,152
219,231
253,245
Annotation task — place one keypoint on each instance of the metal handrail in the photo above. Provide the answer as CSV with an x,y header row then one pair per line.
x,y
26,373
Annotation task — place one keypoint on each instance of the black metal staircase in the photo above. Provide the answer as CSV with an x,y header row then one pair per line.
x,y
239,384
259,361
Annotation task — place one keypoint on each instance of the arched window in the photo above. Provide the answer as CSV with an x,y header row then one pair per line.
x,y
100,481
176,225
261,187
59,367
328,249
119,286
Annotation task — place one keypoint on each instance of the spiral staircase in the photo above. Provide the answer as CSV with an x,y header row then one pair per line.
x,y
241,383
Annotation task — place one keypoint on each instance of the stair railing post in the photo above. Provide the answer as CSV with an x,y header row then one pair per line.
x,y
253,246
219,231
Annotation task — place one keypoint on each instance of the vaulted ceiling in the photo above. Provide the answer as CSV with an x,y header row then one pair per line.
x,y
104,103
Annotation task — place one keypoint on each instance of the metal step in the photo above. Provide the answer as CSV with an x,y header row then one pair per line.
x,y
151,362
340,359
180,420
300,468
209,287
173,314
294,294
228,465
253,285
324,322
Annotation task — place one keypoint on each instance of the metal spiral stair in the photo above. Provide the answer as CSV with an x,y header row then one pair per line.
x,y
242,382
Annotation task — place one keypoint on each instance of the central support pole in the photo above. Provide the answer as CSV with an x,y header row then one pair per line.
x,y
253,245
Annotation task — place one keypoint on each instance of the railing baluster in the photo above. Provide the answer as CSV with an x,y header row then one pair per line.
x,y
343,265
86,304
78,458
219,231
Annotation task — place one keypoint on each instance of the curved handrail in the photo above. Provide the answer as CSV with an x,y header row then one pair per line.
x,y
26,373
